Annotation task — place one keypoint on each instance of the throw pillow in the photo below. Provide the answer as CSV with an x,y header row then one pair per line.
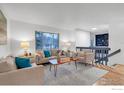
x,y
40,53
11,60
68,53
47,53
22,62
38,58
7,64
54,52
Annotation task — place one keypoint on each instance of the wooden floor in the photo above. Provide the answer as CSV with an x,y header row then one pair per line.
x,y
112,78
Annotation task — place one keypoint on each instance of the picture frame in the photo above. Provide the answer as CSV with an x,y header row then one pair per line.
x,y
3,29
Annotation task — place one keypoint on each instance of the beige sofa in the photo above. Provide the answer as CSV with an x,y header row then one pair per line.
x,y
40,58
10,75
26,76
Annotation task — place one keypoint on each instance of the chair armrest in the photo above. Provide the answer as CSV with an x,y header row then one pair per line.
x,y
90,56
26,76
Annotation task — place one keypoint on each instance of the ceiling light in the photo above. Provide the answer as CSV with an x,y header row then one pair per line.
x,y
94,28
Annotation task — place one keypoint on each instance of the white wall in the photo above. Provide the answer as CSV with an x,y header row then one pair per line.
x,y
83,38
5,49
116,41
21,31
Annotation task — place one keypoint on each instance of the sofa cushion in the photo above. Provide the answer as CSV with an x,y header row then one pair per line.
x,y
43,60
22,62
47,53
11,61
5,66
74,54
54,52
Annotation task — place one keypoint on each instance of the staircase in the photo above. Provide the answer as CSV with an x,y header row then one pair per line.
x,y
115,75
105,59
100,65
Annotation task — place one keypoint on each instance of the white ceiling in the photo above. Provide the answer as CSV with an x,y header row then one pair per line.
x,y
67,16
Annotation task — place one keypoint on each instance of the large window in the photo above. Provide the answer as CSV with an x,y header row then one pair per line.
x,y
45,40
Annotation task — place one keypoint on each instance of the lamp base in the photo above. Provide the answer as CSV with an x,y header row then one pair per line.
x,y
25,53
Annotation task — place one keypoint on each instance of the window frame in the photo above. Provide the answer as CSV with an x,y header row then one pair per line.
x,y
42,40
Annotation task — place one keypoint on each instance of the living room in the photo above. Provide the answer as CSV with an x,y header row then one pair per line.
x,y
67,28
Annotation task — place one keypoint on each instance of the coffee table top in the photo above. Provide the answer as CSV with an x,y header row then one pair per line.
x,y
62,61
53,61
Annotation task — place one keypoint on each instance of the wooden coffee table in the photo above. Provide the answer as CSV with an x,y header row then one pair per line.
x,y
55,63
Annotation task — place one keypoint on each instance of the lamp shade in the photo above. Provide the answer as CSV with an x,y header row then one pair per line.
x,y
67,44
24,45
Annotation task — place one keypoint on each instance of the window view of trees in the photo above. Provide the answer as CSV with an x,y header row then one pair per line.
x,y
45,40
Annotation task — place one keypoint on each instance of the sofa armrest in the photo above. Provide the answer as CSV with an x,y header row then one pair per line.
x,y
26,76
89,57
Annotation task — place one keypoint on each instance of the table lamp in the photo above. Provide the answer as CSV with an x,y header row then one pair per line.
x,y
67,45
25,46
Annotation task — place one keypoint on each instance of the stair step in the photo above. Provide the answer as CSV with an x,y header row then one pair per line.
x,y
105,67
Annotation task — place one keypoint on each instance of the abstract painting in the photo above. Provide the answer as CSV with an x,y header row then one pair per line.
x,y
3,29
102,39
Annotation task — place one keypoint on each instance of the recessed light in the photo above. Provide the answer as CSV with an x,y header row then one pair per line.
x,y
94,28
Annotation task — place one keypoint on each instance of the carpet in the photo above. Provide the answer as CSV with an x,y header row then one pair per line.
x,y
67,74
